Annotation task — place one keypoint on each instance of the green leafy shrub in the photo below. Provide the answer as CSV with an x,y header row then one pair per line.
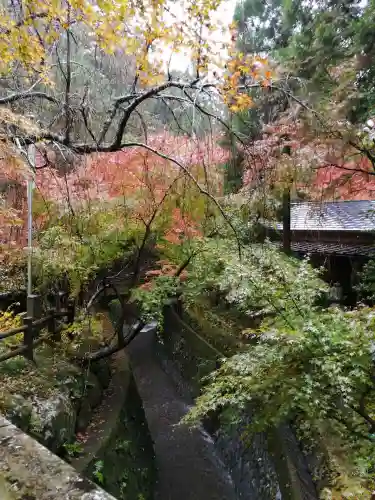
x,y
153,296
263,280
366,285
78,248
318,367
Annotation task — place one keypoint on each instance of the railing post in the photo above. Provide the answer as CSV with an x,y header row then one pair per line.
x,y
28,338
34,309
59,301
178,306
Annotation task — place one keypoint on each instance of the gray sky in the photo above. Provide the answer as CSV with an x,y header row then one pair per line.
x,y
223,14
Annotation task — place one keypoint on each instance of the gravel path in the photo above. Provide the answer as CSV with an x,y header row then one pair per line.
x,y
189,468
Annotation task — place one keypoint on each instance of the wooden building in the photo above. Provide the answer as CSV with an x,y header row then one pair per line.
x,y
337,235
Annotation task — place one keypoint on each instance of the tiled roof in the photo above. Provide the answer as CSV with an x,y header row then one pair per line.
x,y
332,248
333,216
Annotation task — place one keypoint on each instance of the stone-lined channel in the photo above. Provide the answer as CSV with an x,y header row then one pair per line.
x,y
187,462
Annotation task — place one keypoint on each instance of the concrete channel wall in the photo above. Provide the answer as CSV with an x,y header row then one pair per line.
x,y
269,467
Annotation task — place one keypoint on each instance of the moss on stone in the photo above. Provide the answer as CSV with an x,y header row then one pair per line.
x,y
28,471
16,408
43,398
53,421
53,398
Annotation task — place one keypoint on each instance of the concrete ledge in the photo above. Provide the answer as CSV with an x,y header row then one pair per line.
x,y
29,470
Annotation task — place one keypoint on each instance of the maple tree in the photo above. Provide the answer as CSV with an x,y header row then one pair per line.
x,y
40,53
55,56
319,164
112,205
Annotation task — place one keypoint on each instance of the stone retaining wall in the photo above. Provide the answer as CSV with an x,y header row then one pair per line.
x,y
93,417
30,471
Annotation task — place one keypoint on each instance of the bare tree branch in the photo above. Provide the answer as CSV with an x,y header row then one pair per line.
x,y
27,95
136,99
175,118
215,117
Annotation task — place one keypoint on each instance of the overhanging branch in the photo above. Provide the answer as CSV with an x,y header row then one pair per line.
x,y
136,99
27,95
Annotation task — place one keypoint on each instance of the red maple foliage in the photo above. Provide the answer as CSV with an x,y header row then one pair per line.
x,y
12,205
323,168
132,174
353,182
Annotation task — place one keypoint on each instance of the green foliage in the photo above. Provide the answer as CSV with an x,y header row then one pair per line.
x,y
98,472
365,48
317,366
262,25
153,298
328,46
233,171
366,285
86,333
326,39
302,363
263,280
77,248
73,449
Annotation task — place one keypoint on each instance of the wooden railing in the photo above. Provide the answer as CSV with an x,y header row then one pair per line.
x,y
54,322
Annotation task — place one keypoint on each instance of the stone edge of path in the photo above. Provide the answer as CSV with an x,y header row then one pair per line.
x,y
29,470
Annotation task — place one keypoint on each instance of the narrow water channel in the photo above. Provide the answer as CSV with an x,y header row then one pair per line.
x,y
188,465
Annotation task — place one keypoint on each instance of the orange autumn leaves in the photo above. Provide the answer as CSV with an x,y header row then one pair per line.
x,y
181,228
244,71
321,167
134,179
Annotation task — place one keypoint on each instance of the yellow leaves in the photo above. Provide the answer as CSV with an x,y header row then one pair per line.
x,y
262,60
239,102
145,29
244,101
105,6
9,320
242,71
151,80
132,45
